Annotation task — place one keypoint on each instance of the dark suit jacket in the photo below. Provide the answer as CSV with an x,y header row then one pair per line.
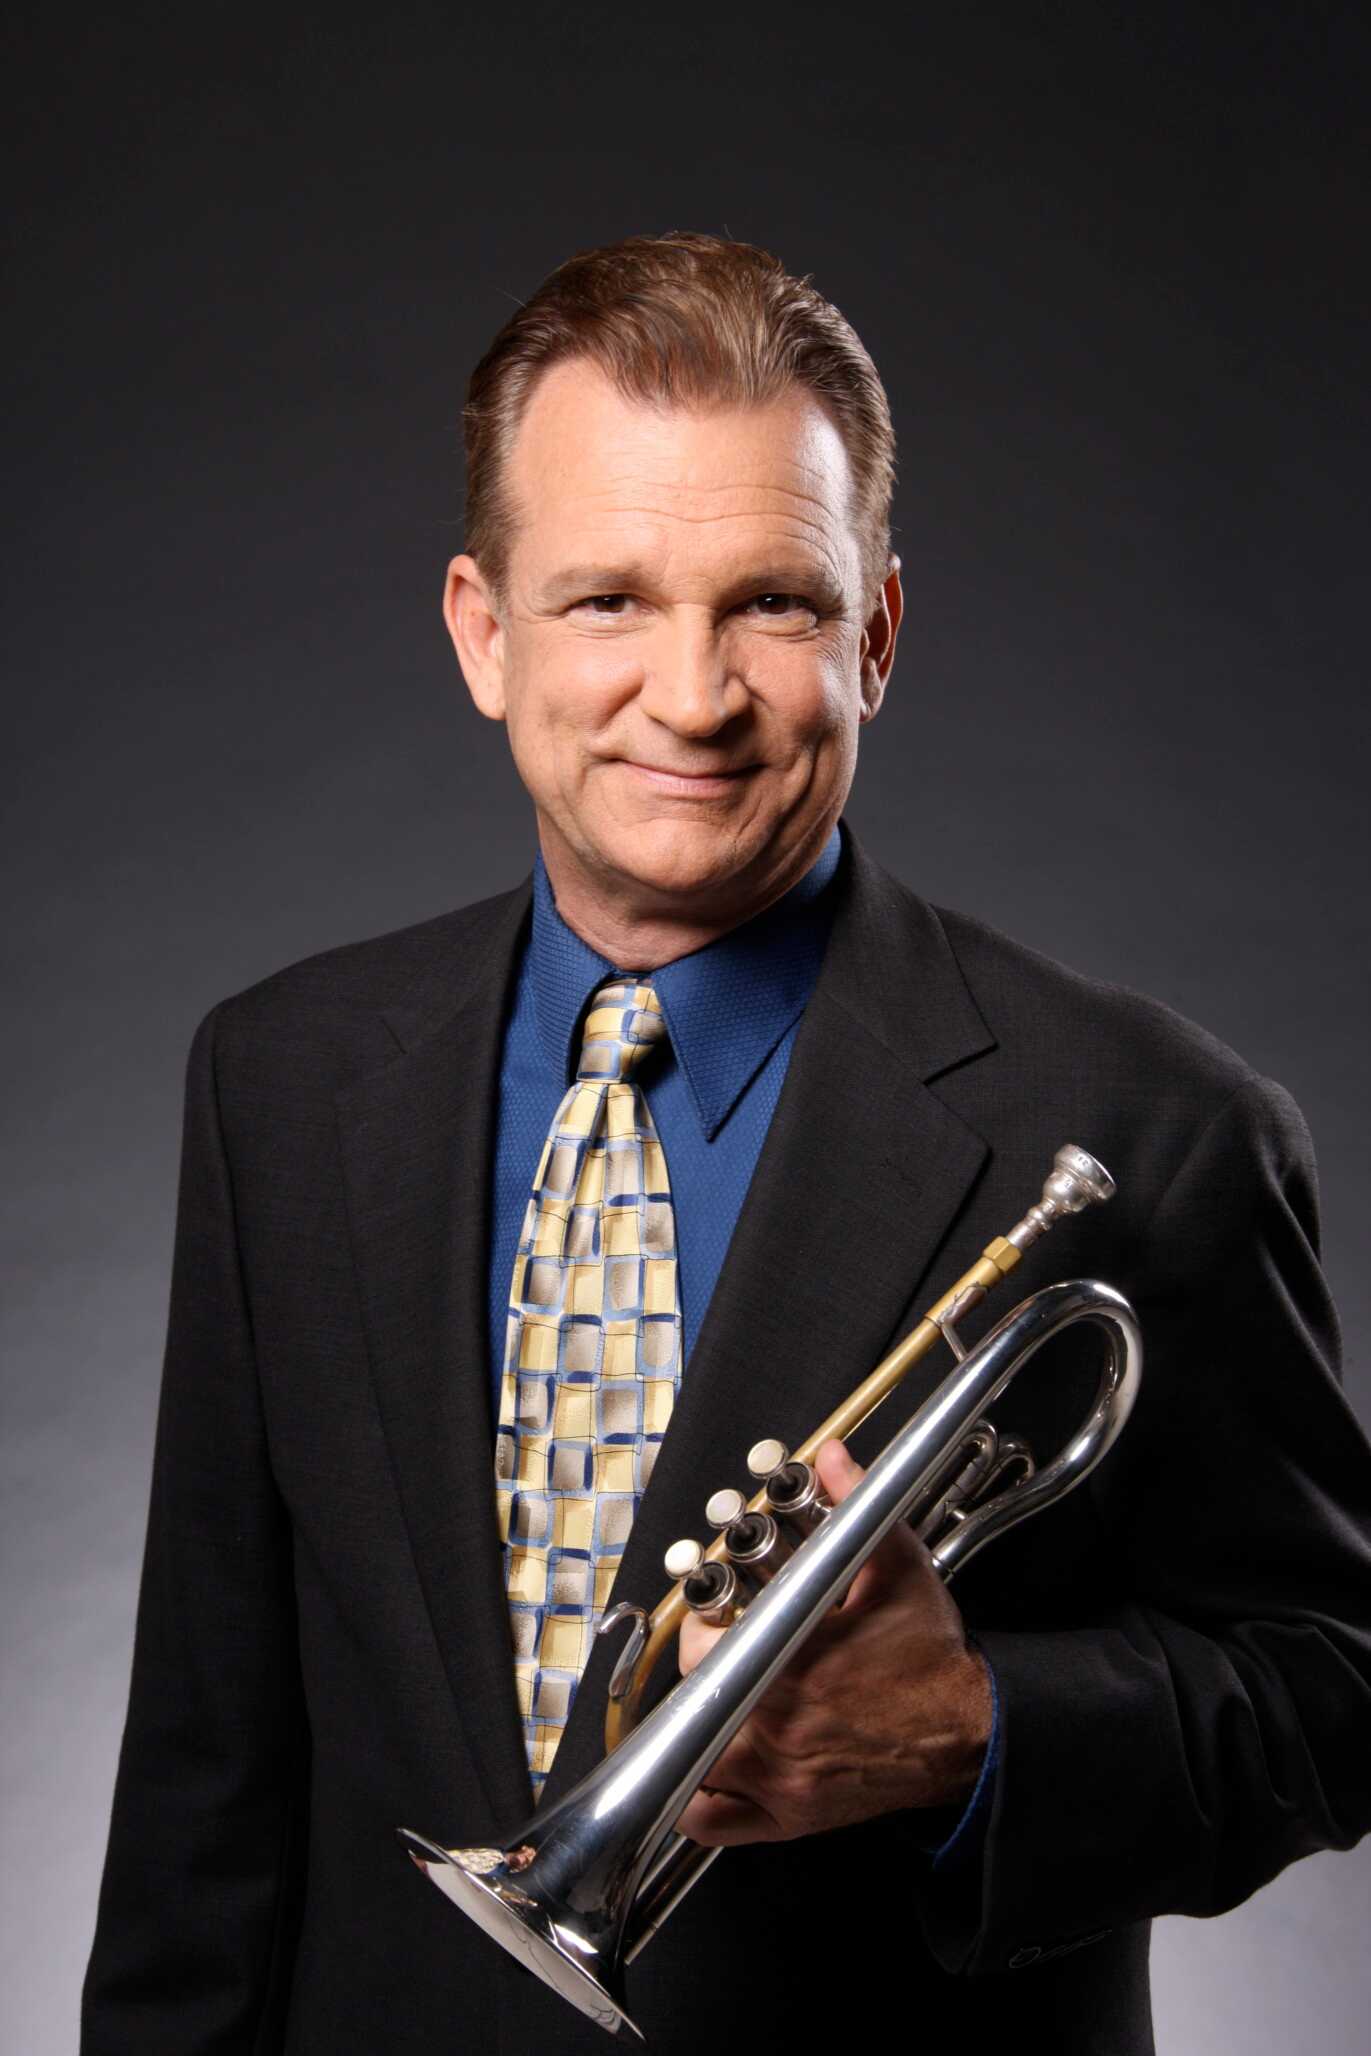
x,y
1183,1646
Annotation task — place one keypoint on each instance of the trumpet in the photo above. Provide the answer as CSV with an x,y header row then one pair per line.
x,y
586,1882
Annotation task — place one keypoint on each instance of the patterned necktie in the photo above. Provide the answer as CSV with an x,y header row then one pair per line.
x,y
592,1360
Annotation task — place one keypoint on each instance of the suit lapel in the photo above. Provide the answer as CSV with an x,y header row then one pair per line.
x,y
861,1175
416,1141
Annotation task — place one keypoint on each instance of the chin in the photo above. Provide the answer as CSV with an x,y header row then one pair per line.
x,y
680,881
681,866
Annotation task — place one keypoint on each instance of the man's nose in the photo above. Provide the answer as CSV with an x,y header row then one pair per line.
x,y
690,683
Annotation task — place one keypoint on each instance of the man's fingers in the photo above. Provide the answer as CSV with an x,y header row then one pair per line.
x,y
695,1641
731,1805
900,1556
839,1473
721,1820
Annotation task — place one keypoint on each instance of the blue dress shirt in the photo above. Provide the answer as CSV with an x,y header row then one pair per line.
x,y
732,1010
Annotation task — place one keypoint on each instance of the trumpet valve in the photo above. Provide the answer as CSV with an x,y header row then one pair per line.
x,y
711,1591
756,1547
795,1496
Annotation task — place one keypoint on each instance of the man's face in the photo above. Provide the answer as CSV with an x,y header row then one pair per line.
x,y
682,659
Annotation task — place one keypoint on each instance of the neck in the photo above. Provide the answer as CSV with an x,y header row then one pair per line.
x,y
639,931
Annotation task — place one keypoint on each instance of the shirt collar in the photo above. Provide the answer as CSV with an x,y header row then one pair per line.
x,y
726,1005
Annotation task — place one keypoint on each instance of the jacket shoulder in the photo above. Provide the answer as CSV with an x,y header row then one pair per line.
x,y
341,1009
1096,1022
1157,1087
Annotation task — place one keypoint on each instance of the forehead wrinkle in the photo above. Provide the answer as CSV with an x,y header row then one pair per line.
x,y
765,488
800,516
662,530
795,525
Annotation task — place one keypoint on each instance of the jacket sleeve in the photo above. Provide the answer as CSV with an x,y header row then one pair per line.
x,y
1181,1746
194,1931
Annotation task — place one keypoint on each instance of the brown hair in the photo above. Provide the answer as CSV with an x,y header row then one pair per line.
x,y
681,320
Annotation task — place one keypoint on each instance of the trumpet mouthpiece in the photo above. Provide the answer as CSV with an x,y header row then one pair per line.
x,y
1077,1180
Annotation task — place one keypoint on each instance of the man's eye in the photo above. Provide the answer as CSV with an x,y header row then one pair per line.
x,y
771,606
780,606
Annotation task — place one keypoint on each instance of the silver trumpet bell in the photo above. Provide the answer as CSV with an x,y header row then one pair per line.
x,y
577,1890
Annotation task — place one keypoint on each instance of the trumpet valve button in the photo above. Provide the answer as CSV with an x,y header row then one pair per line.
x,y
723,1508
683,1558
765,1457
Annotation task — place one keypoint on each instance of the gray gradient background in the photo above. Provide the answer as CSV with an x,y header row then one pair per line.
x,y
1108,269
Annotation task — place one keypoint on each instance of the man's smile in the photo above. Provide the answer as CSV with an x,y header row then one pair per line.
x,y
688,785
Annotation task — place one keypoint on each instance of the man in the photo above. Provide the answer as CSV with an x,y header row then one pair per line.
x,y
685,1131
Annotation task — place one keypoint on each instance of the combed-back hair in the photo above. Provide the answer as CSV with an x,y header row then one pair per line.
x,y
679,320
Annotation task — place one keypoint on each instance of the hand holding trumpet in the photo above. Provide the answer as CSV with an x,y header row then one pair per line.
x,y
883,1707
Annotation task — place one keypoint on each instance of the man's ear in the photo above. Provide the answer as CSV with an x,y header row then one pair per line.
x,y
478,636
878,640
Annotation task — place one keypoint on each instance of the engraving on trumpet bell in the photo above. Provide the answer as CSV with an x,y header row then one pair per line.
x,y
725,1507
480,1862
765,1457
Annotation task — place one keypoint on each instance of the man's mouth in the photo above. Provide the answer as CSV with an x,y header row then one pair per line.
x,y
690,784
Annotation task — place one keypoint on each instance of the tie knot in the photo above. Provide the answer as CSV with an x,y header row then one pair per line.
x,y
624,1022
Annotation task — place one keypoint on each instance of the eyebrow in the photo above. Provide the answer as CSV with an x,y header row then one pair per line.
x,y
582,581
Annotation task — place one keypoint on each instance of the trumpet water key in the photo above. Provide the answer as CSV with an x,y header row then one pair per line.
x,y
583,1885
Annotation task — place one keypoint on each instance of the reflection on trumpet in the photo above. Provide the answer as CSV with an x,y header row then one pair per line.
x,y
583,1885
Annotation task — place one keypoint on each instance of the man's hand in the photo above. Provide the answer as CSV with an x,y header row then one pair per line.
x,y
883,1707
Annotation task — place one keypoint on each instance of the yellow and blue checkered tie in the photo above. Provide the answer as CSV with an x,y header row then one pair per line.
x,y
592,1360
